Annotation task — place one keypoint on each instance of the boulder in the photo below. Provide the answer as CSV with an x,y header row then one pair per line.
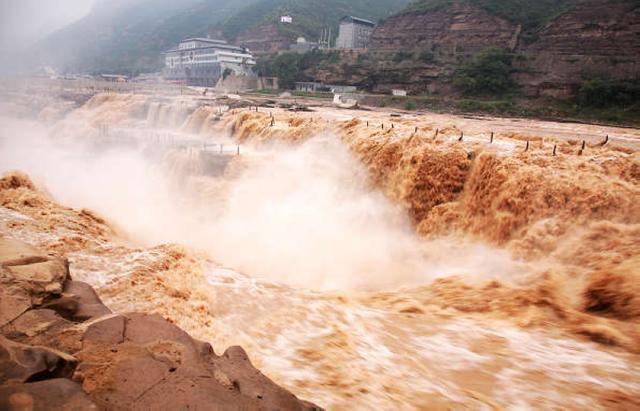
x,y
45,328
89,304
54,394
141,361
27,277
21,363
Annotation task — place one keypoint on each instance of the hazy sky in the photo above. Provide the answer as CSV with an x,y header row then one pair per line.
x,y
24,21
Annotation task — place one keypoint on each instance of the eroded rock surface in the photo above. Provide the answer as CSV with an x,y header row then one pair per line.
x,y
54,394
61,348
27,277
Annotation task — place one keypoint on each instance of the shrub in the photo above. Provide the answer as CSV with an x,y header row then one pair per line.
x,y
489,73
606,93
410,105
402,56
290,67
426,57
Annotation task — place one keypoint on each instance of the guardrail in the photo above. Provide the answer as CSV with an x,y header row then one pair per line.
x,y
93,86
164,139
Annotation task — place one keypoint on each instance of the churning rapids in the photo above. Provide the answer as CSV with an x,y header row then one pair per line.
x,y
360,266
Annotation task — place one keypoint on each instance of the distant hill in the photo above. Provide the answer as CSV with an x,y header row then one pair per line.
x,y
309,16
127,36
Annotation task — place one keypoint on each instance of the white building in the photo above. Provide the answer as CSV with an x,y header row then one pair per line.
x,y
354,33
302,45
202,61
286,19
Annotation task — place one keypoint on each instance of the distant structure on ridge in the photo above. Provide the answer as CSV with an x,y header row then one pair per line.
x,y
203,61
354,33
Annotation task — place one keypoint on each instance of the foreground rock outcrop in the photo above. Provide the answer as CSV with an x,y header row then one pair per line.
x,y
61,348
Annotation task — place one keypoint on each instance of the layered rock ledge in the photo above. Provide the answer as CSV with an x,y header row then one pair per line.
x,y
61,348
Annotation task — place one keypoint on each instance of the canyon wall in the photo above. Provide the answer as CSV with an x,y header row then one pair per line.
x,y
420,50
595,39
448,32
264,39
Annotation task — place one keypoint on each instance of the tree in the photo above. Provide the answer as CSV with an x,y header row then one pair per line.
x,y
601,93
290,67
489,73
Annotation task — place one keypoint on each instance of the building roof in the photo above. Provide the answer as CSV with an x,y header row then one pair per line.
x,y
113,76
205,40
358,20
225,46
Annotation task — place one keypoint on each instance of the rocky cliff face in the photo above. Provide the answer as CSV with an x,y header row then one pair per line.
x,y
264,39
594,39
419,51
436,41
458,30
61,348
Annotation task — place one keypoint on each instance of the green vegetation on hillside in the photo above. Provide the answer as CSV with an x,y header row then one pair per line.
x,y
489,73
290,67
601,93
130,38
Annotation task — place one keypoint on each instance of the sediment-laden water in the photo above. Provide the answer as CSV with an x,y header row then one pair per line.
x,y
360,264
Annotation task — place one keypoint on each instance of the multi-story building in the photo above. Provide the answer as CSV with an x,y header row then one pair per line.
x,y
203,61
354,33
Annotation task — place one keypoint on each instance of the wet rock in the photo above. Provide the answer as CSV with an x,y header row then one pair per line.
x,y
142,361
21,363
130,361
66,306
32,323
43,327
89,304
107,332
13,301
78,303
55,394
27,277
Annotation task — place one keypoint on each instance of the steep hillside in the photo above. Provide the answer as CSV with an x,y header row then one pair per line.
x,y
259,28
458,28
555,46
531,14
128,37
598,39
